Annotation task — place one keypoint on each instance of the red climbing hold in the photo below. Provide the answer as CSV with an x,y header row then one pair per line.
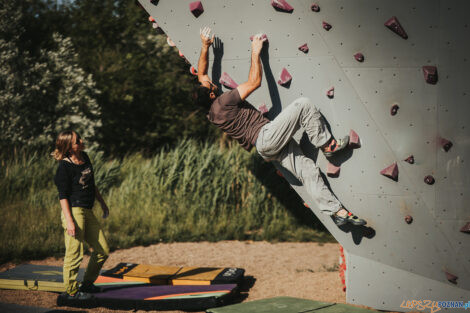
x,y
326,26
446,144
151,19
391,171
410,159
354,141
451,277
181,53
394,109
263,36
315,7
285,78
332,170
196,8
304,48
227,81
263,108
429,180
306,205
430,74
331,93
409,219
282,5
193,70
170,42
394,25
465,228
359,57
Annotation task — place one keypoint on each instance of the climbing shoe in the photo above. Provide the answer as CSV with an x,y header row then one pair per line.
x,y
88,287
335,146
79,299
350,218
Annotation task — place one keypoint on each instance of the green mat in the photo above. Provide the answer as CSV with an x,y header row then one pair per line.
x,y
288,305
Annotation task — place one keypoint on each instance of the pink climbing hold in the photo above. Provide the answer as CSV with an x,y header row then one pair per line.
x,y
170,42
331,93
359,57
429,180
196,8
315,7
332,170
181,53
227,81
409,219
391,171
354,141
394,109
465,228
263,36
285,78
151,19
445,144
394,25
410,159
451,277
326,26
430,74
263,108
193,70
155,25
304,48
282,5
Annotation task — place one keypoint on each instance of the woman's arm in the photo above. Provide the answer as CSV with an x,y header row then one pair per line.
x,y
100,199
64,204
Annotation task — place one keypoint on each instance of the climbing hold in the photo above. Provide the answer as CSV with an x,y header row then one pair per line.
x,y
359,57
429,180
446,144
282,5
278,172
181,53
196,8
155,25
285,78
326,26
430,74
154,2
394,25
227,81
394,109
391,171
331,93
170,42
263,108
151,19
315,7
465,228
304,48
451,278
306,205
193,70
332,170
354,141
410,159
263,36
409,219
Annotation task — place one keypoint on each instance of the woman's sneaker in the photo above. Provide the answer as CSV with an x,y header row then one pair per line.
x,y
65,299
335,146
89,288
349,218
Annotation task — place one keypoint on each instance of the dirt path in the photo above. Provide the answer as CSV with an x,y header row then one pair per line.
x,y
303,270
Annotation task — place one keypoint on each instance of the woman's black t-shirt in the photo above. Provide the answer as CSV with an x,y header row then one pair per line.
x,y
76,183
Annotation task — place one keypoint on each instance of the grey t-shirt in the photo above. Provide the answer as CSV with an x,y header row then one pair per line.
x,y
239,119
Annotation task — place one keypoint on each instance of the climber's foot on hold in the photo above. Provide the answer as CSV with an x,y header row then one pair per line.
x,y
343,217
334,146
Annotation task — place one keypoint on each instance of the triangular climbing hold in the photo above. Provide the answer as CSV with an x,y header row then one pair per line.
x,y
446,144
304,48
451,277
430,74
394,25
391,171
196,8
429,180
282,5
227,81
394,109
354,141
410,159
154,2
332,170
315,7
359,57
330,93
326,26
285,78
465,228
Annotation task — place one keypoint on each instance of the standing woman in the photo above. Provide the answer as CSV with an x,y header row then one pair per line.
x,y
77,191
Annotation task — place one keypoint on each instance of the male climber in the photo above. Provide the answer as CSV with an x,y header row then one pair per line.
x,y
273,139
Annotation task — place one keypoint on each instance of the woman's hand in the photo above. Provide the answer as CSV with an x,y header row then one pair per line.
x,y
71,228
206,36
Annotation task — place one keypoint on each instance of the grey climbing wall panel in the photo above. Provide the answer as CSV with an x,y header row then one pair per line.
x,y
388,261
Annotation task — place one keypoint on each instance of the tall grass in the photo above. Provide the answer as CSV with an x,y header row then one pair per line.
x,y
191,192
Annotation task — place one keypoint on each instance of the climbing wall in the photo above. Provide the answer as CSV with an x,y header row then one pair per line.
x,y
396,74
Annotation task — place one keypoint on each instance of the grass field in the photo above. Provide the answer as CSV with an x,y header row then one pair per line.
x,y
191,192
